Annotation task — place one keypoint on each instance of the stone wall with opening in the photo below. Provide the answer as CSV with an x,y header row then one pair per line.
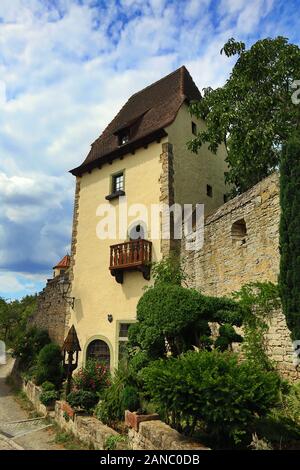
x,y
241,245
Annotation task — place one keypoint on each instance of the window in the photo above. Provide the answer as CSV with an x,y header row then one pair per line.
x,y
239,231
99,351
194,128
209,190
123,338
124,137
118,182
225,198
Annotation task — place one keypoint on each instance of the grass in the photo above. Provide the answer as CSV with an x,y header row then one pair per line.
x,y
68,440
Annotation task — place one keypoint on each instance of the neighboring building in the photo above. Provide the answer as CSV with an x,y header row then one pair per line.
x,y
141,154
62,266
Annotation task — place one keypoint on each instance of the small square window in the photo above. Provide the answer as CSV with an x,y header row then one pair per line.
x,y
118,182
194,128
123,332
209,191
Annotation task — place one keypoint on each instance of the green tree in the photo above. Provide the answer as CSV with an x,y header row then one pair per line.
x,y
173,319
253,113
289,278
14,316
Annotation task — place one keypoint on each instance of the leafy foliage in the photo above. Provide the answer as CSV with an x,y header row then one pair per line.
x,y
121,395
48,397
48,386
211,388
289,279
83,399
92,377
252,113
168,271
49,365
14,316
173,319
28,344
258,300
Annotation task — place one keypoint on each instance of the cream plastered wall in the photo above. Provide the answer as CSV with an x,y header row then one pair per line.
x,y
96,291
192,172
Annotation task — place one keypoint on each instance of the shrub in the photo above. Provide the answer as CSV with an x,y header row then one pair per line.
x,y
289,277
48,386
115,399
48,397
82,399
28,344
130,398
49,365
181,316
211,387
93,377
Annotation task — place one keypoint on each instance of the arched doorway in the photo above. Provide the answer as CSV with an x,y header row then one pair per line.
x,y
99,350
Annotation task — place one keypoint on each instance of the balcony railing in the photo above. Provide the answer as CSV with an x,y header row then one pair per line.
x,y
133,255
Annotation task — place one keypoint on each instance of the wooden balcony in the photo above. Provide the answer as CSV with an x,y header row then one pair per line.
x,y
134,255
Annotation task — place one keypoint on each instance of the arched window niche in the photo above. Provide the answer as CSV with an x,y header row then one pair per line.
x,y
239,232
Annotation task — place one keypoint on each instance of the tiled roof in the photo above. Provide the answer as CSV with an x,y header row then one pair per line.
x,y
147,113
64,263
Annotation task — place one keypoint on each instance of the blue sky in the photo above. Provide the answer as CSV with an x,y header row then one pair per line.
x,y
66,67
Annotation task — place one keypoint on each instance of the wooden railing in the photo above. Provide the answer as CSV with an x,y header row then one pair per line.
x,y
130,254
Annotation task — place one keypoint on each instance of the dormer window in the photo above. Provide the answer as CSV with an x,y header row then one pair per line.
x,y
124,137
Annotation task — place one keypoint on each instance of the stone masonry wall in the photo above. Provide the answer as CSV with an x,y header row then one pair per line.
x,y
225,263
167,194
156,435
52,312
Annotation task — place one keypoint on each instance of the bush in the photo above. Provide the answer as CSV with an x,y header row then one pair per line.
x,y
49,365
83,399
48,397
118,397
130,398
28,344
93,377
211,388
173,319
48,386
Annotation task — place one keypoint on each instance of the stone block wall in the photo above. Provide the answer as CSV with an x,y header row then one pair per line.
x,y
227,261
86,428
33,393
52,312
156,435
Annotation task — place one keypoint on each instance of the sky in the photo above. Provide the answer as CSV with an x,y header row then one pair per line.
x,y
66,68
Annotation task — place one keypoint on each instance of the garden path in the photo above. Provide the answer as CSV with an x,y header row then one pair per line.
x,y
17,430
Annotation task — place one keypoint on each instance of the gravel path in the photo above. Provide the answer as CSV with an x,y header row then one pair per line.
x,y
10,411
